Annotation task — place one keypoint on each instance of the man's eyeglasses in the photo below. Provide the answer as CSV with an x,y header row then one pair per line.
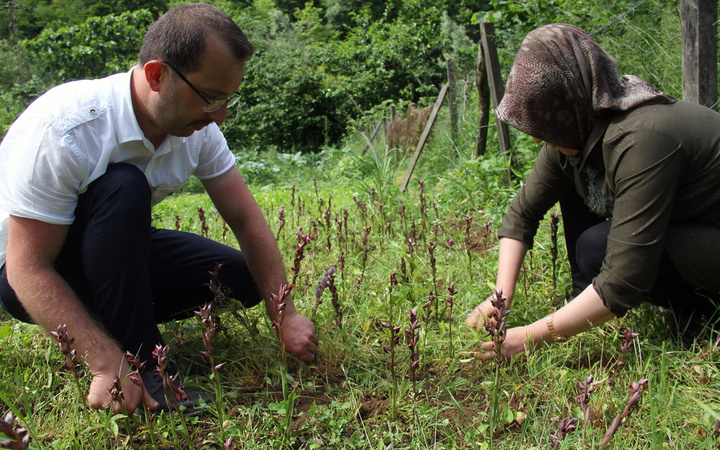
x,y
210,105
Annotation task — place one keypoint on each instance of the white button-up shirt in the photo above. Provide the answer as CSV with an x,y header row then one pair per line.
x,y
66,138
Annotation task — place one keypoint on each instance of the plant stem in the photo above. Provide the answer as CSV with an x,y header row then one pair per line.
x,y
494,404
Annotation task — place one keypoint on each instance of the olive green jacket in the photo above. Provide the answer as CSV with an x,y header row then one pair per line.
x,y
645,168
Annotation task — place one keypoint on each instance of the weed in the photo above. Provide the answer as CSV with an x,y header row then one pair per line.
x,y
204,228
303,240
212,328
65,344
637,388
328,282
554,221
496,330
18,438
628,338
587,387
172,390
468,244
390,348
279,302
412,336
451,302
567,426
281,222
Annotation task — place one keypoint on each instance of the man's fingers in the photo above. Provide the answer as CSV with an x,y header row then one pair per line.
x,y
146,399
149,402
307,356
307,352
475,319
119,407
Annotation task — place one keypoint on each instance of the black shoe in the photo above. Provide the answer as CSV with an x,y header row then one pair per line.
x,y
190,406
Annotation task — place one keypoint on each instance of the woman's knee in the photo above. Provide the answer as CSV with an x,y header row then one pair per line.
x,y
693,249
591,247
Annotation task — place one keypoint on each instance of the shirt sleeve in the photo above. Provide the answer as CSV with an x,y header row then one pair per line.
x,y
545,185
645,168
43,173
215,156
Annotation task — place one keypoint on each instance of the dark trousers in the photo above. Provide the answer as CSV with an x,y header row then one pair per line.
x,y
688,279
131,276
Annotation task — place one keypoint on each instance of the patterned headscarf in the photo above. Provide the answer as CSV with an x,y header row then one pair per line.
x,y
560,82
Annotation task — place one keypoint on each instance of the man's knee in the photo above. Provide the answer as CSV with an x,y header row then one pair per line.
x,y
9,301
121,193
124,178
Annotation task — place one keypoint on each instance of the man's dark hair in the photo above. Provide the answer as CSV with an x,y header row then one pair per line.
x,y
180,36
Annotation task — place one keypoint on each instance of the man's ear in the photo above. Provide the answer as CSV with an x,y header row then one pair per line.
x,y
154,71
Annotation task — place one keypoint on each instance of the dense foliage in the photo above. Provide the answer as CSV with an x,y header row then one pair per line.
x,y
318,68
325,68
99,46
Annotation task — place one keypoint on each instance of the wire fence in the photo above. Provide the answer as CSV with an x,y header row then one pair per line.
x,y
646,40
644,36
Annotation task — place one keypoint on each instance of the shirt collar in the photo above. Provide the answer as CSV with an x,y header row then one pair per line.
x,y
125,119
594,139
126,123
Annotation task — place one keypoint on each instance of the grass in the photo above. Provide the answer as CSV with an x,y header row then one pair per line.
x,y
347,397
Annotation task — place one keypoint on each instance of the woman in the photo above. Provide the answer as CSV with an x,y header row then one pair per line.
x,y
637,175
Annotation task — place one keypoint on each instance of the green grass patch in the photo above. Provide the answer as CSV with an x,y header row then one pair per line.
x,y
348,398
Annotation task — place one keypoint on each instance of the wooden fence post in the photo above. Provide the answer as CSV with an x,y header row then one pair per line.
x,y
700,63
497,90
368,142
424,136
481,82
452,106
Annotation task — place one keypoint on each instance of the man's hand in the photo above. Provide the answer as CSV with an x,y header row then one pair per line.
x,y
515,343
299,335
238,207
134,394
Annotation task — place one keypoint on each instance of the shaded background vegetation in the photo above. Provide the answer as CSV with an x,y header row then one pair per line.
x,y
325,66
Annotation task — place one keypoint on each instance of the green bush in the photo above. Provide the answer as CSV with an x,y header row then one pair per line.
x,y
300,95
101,46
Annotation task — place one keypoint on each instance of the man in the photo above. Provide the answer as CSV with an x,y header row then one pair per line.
x,y
79,172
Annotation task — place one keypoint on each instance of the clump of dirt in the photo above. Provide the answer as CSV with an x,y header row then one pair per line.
x,y
372,406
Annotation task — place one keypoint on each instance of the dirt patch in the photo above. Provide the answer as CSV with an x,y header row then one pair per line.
x,y
372,406
480,240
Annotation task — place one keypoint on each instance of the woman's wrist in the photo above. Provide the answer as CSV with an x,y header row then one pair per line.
x,y
539,332
554,335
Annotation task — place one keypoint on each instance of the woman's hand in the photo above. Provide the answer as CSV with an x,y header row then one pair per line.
x,y
480,315
514,344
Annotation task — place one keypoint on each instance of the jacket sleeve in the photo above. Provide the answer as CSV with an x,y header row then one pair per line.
x,y
545,185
